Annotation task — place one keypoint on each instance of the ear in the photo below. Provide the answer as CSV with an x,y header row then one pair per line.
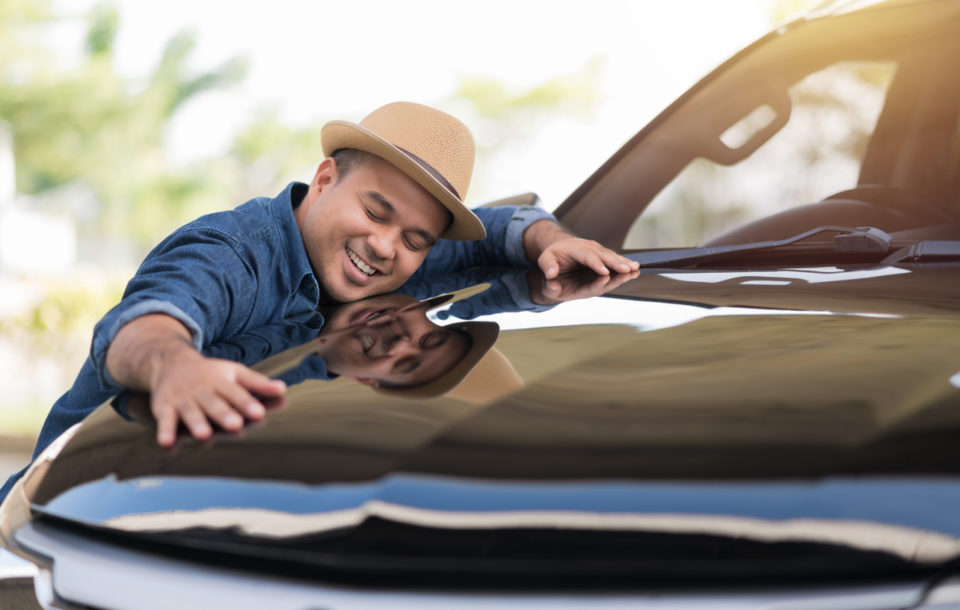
x,y
326,174
367,381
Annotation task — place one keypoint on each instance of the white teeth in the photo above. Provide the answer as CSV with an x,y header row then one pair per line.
x,y
366,341
362,266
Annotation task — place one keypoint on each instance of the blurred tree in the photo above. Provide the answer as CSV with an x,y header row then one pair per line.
x,y
87,123
268,153
506,116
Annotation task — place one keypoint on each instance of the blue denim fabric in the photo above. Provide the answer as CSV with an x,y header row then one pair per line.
x,y
229,272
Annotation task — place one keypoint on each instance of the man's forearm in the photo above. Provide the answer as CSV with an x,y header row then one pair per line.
x,y
144,346
539,236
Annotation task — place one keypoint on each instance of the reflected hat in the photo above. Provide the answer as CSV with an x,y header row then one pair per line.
x,y
492,378
433,148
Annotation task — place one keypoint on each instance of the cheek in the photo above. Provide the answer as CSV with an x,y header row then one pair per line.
x,y
315,232
409,262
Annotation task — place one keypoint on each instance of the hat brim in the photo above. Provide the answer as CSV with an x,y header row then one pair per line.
x,y
449,298
482,334
466,226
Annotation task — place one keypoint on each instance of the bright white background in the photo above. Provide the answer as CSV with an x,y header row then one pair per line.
x,y
316,60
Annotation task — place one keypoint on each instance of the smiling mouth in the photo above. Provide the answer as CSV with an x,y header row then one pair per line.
x,y
359,264
367,341
367,315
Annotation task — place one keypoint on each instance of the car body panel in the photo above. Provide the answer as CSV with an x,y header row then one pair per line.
x,y
717,431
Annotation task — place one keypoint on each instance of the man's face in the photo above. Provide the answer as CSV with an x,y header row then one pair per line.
x,y
367,232
399,347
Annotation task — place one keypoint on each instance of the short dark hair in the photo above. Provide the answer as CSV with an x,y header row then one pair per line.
x,y
350,158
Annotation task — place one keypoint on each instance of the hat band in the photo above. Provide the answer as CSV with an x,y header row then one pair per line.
x,y
430,170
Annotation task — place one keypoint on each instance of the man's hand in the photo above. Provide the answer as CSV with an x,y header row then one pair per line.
x,y
196,389
572,286
154,354
556,251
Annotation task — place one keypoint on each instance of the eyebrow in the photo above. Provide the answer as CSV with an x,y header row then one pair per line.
x,y
391,211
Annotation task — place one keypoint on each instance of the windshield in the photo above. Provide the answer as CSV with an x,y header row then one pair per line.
x,y
851,120
815,154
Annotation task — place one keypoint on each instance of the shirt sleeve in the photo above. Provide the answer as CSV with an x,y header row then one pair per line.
x,y
503,245
509,291
195,276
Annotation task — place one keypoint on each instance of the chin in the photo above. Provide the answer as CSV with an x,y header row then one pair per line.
x,y
349,294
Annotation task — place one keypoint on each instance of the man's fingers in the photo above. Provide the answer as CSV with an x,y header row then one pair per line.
x,y
210,393
594,261
243,401
167,421
549,265
610,260
552,288
623,278
195,420
620,264
259,383
221,411
567,255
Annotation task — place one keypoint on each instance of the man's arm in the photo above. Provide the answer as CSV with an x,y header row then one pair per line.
x,y
194,288
517,236
154,353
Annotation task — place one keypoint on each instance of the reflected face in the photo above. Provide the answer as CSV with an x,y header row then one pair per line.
x,y
368,230
358,312
396,346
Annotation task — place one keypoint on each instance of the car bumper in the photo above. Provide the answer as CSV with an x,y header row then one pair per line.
x,y
79,571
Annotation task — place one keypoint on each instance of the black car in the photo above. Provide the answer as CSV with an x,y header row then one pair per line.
x,y
766,415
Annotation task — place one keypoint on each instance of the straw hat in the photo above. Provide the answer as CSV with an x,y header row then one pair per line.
x,y
492,378
432,147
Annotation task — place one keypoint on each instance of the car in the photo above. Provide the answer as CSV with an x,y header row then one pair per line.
x,y
765,415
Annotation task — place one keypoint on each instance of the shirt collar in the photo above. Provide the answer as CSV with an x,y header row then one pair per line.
x,y
281,210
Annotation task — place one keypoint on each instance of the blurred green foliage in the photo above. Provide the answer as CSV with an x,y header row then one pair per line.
x,y
86,122
68,307
50,338
509,115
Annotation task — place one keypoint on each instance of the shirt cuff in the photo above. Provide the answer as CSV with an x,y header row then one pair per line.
x,y
519,289
523,217
109,327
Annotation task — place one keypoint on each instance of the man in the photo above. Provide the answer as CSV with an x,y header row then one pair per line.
x,y
387,195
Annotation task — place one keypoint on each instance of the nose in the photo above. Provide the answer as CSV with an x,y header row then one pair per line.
x,y
383,242
397,342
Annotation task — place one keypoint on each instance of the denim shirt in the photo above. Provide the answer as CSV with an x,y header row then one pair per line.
x,y
230,272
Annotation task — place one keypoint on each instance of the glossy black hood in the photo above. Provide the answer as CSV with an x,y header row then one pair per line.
x,y
691,412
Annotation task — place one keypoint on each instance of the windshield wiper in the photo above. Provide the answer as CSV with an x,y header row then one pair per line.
x,y
924,250
862,240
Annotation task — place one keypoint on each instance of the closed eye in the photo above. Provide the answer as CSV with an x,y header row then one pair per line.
x,y
416,242
405,365
435,339
374,216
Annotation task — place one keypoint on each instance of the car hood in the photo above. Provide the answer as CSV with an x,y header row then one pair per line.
x,y
688,411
